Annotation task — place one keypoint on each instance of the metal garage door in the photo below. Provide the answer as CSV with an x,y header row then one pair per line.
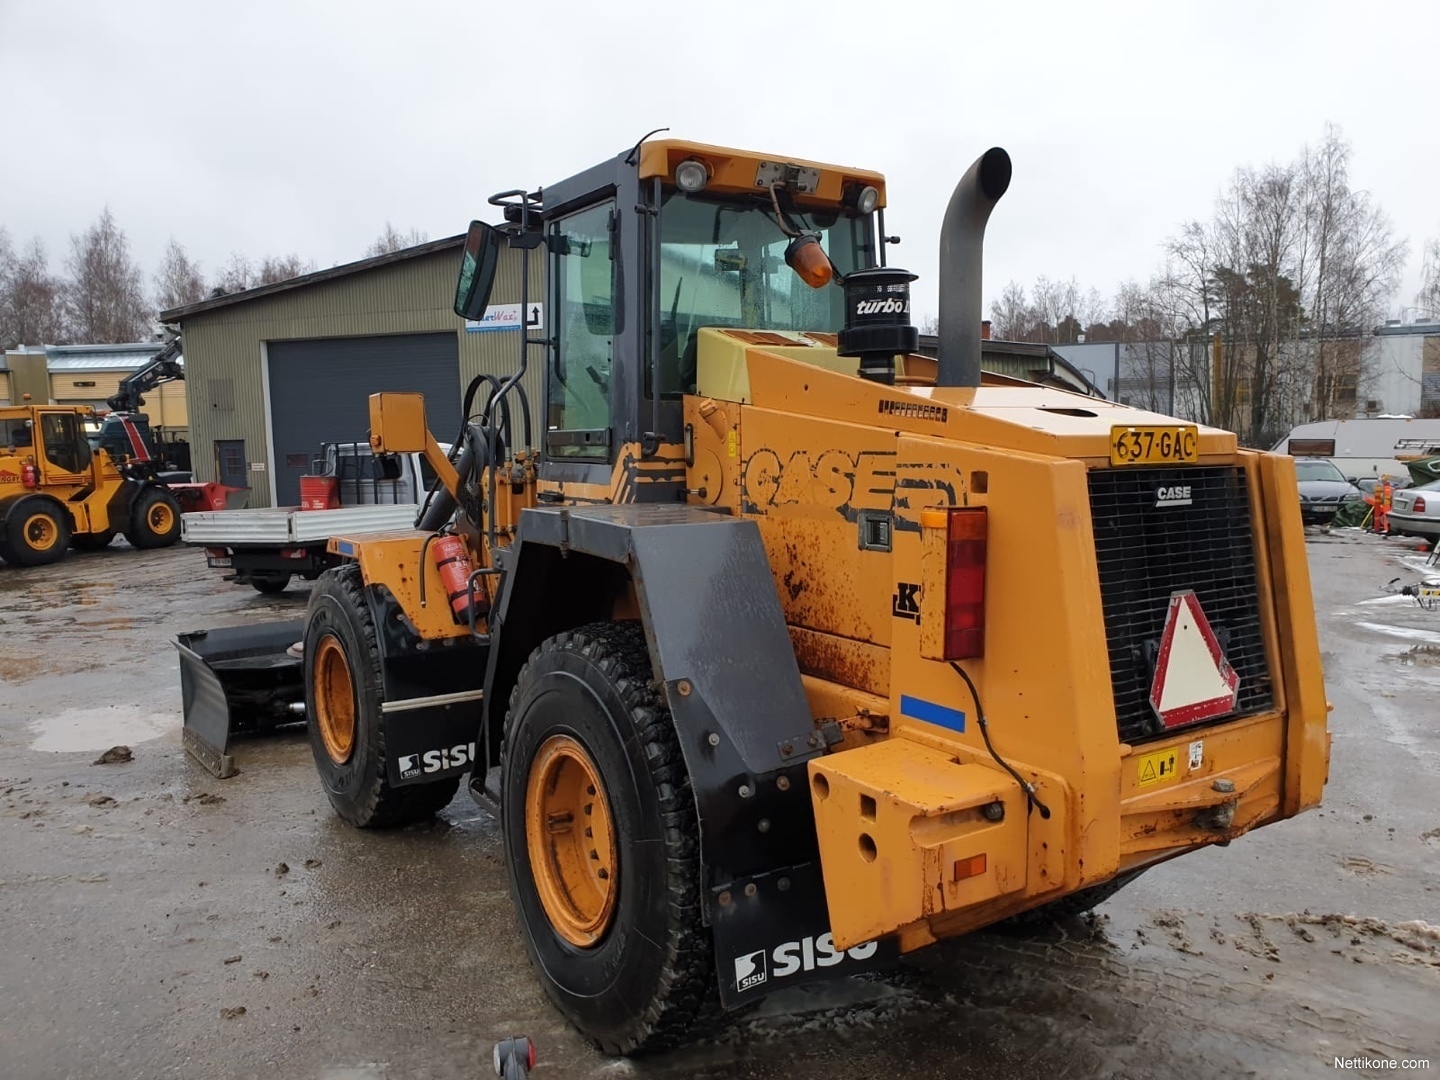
x,y
320,391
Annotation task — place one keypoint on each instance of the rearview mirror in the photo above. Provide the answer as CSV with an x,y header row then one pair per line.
x,y
477,270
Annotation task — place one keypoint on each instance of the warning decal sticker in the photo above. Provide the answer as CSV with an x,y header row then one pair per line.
x,y
1159,766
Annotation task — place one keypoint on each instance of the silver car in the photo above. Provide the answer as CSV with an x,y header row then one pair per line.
x,y
1415,511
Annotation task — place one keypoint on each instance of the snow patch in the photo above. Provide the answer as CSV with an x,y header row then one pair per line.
x,y
1406,632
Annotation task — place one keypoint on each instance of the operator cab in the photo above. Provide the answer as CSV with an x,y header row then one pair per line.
x,y
646,249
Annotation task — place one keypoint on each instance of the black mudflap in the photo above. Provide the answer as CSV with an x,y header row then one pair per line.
x,y
772,931
433,693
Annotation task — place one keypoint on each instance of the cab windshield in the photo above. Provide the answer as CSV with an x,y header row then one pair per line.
x,y
722,264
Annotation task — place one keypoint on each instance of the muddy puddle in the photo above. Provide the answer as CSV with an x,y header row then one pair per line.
x,y
1419,656
98,728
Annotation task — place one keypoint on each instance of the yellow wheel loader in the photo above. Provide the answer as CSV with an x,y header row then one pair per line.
x,y
789,649
56,492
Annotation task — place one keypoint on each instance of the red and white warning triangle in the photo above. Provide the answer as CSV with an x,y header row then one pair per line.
x,y
1193,680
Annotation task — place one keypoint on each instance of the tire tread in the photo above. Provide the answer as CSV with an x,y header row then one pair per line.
x,y
687,996
381,806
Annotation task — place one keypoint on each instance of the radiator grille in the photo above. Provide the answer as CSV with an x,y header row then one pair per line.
x,y
1147,552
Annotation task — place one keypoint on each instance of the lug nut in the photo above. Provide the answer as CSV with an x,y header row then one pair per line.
x,y
783,783
750,889
713,739
764,825
994,811
725,898
745,791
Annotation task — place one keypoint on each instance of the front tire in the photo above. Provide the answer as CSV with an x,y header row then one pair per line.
x,y
607,889
154,519
37,532
343,694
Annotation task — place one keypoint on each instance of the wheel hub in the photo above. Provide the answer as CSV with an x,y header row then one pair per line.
x,y
161,518
40,532
570,840
334,699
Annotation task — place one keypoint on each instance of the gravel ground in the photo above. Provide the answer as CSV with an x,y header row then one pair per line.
x,y
156,922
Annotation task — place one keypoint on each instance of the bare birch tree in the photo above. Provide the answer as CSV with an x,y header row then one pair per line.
x,y
32,310
240,273
392,240
105,295
178,281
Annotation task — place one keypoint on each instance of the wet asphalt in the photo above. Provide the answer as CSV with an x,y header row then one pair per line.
x,y
156,922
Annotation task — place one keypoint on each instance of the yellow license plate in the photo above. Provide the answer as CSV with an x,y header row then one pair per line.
x,y
1154,445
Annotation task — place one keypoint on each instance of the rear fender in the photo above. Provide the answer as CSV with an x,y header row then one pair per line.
x,y
719,645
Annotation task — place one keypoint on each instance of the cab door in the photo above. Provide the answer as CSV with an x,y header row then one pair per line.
x,y
62,450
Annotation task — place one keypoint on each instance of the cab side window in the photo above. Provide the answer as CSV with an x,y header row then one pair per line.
x,y
64,447
579,399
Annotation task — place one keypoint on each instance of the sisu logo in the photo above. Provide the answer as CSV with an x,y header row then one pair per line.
x,y
790,957
433,761
750,970
1173,495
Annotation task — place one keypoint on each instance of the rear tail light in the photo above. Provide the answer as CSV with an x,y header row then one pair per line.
x,y
217,553
294,553
966,533
1419,505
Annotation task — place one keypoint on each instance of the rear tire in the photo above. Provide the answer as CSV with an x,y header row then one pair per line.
x,y
92,541
154,519
343,694
270,584
37,532
647,975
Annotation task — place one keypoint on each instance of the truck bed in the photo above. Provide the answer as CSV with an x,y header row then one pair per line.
x,y
288,525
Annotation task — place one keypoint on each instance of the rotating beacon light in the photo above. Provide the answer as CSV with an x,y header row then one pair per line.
x,y
877,320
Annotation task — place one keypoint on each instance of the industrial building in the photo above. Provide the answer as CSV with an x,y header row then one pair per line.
x,y
274,372
88,375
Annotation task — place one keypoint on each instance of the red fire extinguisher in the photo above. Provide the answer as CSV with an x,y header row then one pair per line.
x,y
454,566
29,476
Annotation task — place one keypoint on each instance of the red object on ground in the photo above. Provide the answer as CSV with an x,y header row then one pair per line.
x,y
319,493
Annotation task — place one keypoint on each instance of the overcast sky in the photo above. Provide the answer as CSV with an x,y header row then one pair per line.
x,y
303,126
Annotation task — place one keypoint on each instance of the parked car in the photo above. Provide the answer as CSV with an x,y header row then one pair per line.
x,y
1368,484
1415,511
1323,491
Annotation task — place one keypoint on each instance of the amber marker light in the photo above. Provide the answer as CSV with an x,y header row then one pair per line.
x,y
807,258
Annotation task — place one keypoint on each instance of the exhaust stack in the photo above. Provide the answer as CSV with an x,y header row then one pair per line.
x,y
962,243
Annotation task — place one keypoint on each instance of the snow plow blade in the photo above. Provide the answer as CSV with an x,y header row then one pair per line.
x,y
238,680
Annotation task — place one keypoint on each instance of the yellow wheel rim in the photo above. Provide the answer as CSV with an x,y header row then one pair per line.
x,y
334,699
570,841
161,518
41,532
